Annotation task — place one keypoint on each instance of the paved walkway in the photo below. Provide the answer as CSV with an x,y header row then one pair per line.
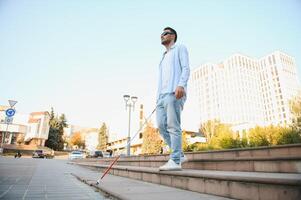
x,y
28,178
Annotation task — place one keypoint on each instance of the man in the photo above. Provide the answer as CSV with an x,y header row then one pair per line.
x,y
173,76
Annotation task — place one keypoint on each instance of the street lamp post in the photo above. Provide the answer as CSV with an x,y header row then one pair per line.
x,y
129,103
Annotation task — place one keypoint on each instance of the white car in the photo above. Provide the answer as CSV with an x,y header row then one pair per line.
x,y
76,155
106,154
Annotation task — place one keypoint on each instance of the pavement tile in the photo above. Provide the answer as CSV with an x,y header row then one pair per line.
x,y
41,179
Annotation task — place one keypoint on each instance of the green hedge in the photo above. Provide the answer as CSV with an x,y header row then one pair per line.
x,y
259,136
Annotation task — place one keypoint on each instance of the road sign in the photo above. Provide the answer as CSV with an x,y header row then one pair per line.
x,y
10,112
8,120
12,103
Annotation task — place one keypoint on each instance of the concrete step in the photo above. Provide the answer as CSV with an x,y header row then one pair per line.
x,y
130,189
282,165
284,159
283,151
237,185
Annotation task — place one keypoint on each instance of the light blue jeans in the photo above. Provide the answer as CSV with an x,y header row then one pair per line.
x,y
169,123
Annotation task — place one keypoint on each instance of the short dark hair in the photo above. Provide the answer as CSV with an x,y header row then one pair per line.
x,y
173,31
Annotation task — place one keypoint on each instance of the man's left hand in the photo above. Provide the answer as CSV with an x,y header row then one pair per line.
x,y
179,93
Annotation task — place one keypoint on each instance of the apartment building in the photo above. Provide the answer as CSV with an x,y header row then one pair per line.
x,y
14,132
279,84
38,128
29,129
245,92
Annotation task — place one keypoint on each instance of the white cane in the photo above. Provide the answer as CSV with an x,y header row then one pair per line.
x,y
115,160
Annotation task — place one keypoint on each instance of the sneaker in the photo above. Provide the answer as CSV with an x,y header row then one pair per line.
x,y
170,166
183,159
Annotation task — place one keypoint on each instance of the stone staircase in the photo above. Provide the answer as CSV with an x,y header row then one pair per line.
x,y
254,173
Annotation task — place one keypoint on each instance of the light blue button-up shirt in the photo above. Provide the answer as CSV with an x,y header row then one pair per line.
x,y
178,70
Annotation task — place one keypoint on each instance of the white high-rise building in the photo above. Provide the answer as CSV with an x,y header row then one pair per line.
x,y
245,92
279,84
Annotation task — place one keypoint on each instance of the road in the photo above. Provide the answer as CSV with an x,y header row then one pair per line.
x,y
28,178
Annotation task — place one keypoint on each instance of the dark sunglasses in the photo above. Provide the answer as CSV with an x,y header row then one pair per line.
x,y
167,33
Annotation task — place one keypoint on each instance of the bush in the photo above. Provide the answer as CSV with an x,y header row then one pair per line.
x,y
259,136
185,146
225,141
200,147
243,143
272,135
223,137
289,136
222,140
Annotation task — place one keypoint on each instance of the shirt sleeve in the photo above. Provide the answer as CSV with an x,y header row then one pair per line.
x,y
184,62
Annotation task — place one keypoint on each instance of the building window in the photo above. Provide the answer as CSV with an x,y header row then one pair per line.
x,y
270,61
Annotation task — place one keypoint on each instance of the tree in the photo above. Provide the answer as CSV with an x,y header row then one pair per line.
x,y
55,138
209,129
63,121
51,114
295,108
152,141
62,124
218,135
103,137
52,141
77,139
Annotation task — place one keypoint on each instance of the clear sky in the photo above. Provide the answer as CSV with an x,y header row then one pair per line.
x,y
81,57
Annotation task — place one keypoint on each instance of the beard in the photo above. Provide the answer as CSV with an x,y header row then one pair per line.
x,y
165,42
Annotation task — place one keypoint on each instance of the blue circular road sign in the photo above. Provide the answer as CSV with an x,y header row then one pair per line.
x,y
10,112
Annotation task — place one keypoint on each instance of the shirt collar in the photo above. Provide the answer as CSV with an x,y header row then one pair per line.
x,y
172,47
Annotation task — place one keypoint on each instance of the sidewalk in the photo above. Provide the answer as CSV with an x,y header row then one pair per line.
x,y
129,189
28,178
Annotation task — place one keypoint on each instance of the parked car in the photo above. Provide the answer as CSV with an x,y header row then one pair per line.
x,y
38,154
76,155
97,154
106,154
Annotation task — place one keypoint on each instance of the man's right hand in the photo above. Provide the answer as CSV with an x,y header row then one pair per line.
x,y
179,93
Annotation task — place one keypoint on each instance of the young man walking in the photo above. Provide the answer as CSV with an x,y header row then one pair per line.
x,y
173,77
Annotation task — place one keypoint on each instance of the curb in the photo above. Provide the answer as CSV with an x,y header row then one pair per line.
x,y
107,193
